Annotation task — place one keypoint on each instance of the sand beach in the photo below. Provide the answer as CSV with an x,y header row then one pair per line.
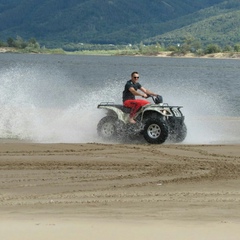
x,y
119,191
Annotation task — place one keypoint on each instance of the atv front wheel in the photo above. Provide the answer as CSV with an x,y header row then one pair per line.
x,y
179,134
155,131
106,128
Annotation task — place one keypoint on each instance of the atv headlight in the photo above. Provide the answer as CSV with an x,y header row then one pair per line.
x,y
165,112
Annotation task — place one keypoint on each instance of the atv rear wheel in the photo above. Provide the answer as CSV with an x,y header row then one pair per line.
x,y
106,128
155,131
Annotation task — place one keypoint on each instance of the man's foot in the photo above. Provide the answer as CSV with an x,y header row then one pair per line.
x,y
131,120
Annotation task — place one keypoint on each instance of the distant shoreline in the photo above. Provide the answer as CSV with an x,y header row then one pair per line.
x,y
166,54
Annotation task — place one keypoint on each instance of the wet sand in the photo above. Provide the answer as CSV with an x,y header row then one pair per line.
x,y
119,191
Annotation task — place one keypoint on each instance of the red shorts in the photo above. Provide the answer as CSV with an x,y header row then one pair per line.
x,y
135,105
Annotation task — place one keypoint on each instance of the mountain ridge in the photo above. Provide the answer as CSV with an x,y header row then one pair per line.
x,y
57,22
221,23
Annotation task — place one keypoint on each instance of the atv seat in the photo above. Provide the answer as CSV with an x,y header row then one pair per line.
x,y
124,109
119,106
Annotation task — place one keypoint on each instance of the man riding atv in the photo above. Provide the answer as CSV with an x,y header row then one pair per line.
x,y
156,122
129,93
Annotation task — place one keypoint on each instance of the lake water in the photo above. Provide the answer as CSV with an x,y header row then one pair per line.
x,y
53,98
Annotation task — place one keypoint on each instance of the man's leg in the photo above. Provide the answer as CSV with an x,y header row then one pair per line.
x,y
135,105
131,104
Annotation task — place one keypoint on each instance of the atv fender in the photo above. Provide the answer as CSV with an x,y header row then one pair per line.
x,y
115,110
163,110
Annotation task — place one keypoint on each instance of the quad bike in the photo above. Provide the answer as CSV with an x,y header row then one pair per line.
x,y
156,122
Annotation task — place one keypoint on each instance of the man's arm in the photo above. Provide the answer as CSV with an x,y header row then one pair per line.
x,y
136,93
146,91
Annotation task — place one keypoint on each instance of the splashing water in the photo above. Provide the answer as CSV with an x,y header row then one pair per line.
x,y
37,107
43,106
209,118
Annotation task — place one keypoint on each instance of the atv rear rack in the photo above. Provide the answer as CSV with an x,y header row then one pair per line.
x,y
107,104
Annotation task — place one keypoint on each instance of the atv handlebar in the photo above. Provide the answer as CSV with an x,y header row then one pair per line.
x,y
148,96
156,99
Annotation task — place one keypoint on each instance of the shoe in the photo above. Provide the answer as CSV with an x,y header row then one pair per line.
x,y
131,120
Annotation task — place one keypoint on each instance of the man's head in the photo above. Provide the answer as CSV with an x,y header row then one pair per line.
x,y
135,77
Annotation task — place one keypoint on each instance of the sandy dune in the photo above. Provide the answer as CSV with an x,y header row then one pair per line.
x,y
117,191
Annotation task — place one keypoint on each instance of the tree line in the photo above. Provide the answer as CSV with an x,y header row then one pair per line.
x,y
189,45
20,43
29,46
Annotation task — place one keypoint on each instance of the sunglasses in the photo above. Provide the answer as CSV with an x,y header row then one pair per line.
x,y
136,77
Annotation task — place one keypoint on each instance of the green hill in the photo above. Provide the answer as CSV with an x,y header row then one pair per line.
x,y
218,24
57,22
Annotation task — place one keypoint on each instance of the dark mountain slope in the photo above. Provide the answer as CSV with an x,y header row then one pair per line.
x,y
94,21
218,24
